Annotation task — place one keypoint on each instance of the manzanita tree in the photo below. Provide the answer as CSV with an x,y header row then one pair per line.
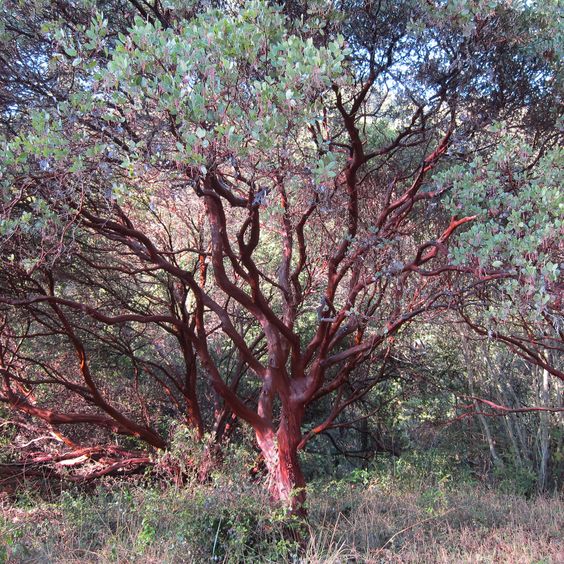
x,y
231,179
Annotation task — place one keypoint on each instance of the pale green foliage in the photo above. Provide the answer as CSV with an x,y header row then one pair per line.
x,y
235,85
236,89
519,216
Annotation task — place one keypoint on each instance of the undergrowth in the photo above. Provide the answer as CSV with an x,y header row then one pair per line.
x,y
372,516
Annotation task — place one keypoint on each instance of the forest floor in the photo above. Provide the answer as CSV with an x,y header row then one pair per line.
x,y
363,520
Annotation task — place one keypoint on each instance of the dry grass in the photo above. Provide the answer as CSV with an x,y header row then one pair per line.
x,y
473,525
348,524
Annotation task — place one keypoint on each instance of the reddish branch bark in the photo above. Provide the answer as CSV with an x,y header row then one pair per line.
x,y
363,293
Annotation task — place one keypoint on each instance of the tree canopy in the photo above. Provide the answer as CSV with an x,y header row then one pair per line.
x,y
238,211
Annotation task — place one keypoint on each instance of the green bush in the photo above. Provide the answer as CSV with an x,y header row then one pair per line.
x,y
515,479
430,468
120,522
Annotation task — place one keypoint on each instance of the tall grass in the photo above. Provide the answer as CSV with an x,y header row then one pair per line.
x,y
348,522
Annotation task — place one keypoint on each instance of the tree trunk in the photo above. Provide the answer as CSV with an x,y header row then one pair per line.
x,y
194,418
508,423
470,362
286,482
544,432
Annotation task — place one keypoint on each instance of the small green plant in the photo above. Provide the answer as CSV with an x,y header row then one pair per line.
x,y
514,479
433,500
147,534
